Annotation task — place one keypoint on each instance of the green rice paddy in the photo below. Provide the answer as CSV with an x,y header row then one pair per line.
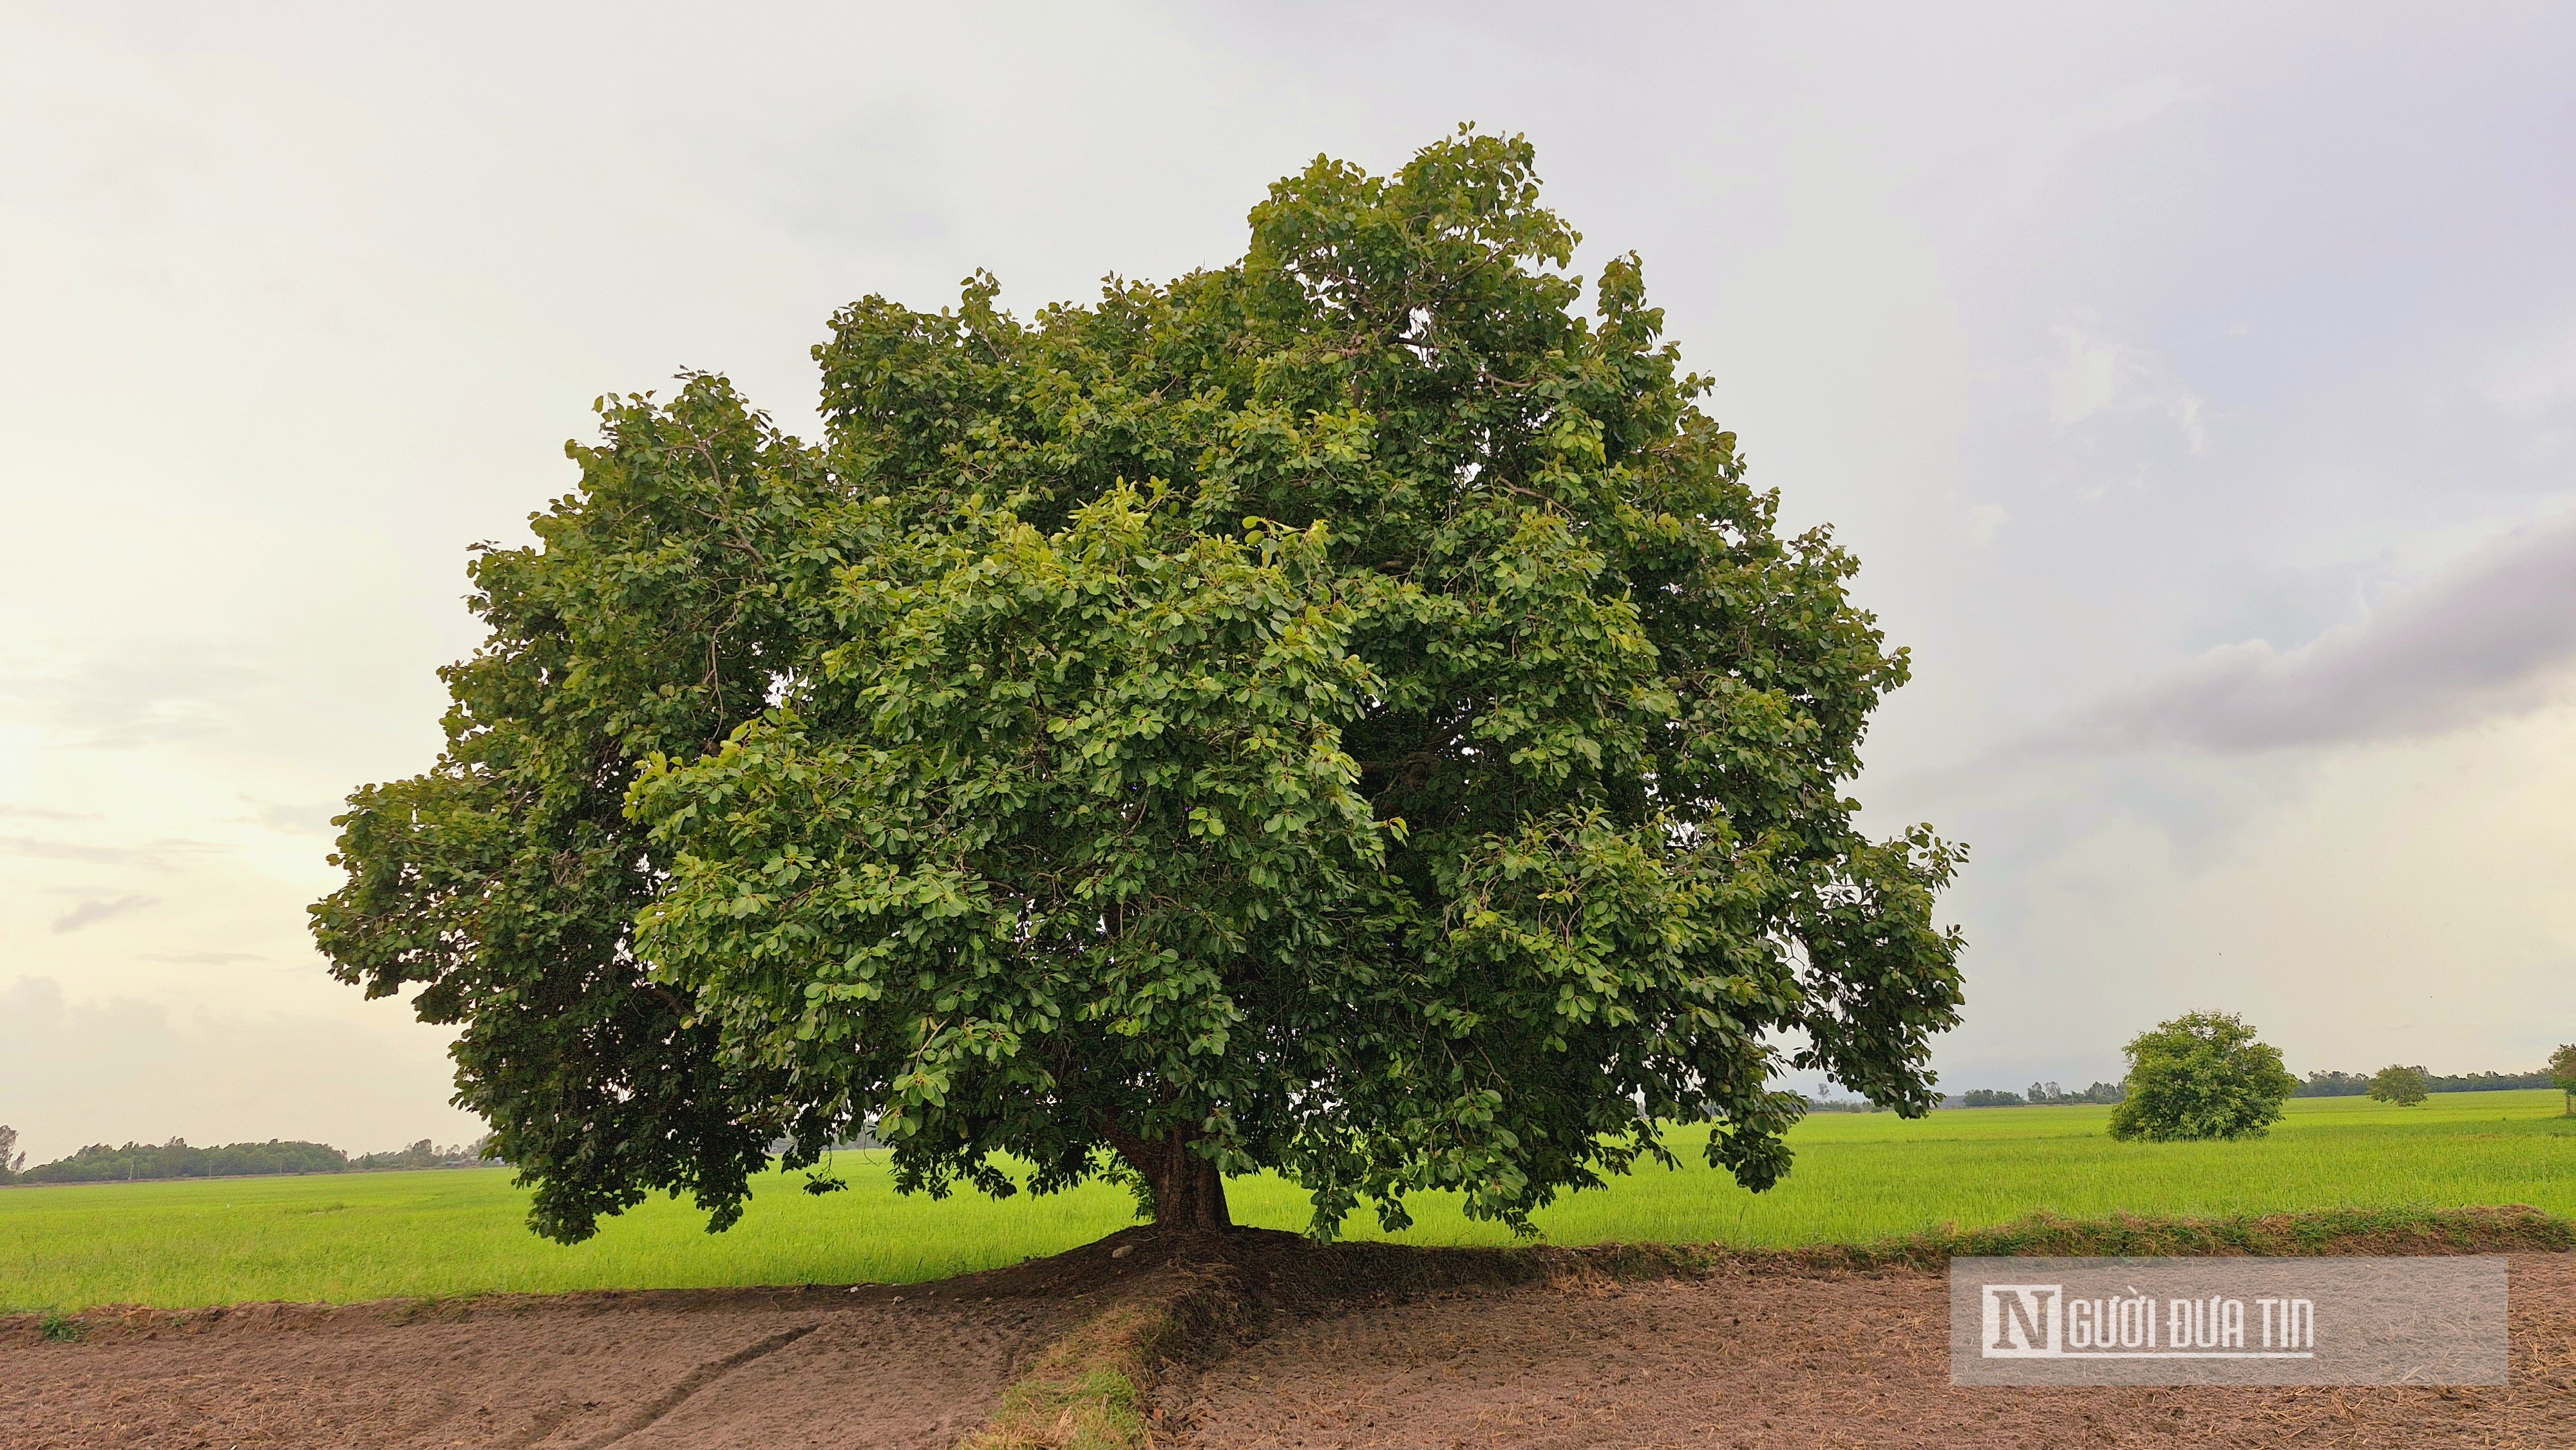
x,y
1859,1177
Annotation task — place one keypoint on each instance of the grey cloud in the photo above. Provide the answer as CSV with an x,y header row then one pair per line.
x,y
91,913
152,855
870,181
149,695
298,820
2485,637
866,186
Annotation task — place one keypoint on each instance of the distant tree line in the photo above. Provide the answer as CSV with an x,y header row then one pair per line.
x,y
100,1163
423,1154
137,1162
2317,1085
2357,1084
140,1162
2041,1094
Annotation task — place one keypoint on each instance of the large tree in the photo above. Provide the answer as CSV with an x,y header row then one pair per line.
x,y
1345,712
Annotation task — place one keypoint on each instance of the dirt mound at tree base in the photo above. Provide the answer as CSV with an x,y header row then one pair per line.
x,y
1264,1339
1258,1339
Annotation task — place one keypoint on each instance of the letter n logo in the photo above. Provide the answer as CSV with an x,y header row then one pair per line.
x,y
2022,1321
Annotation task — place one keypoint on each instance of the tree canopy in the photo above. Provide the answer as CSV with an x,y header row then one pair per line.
x,y
1344,712
2398,1084
2201,1075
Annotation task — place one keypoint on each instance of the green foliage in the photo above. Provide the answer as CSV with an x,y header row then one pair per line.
x,y
2562,1073
61,1329
2400,1085
99,1163
1990,1098
2201,1075
11,1160
1343,712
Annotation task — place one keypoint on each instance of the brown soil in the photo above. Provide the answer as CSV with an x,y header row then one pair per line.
x,y
873,1366
1750,1356
1257,1339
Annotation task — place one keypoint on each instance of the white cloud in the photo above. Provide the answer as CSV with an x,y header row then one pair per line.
x,y
213,1077
2097,377
2086,380
1985,521
151,856
2535,379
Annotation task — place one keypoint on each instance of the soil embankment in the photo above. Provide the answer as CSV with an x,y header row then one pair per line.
x,y
1819,1363
658,1371
1256,1339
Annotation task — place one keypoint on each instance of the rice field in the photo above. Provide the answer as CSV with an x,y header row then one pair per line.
x,y
1858,1177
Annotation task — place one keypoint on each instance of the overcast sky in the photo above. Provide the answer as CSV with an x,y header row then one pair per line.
x,y
2196,383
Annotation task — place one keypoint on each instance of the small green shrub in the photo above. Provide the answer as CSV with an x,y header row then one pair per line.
x,y
62,1329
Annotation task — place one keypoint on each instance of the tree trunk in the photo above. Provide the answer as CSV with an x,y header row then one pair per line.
x,y
1189,1194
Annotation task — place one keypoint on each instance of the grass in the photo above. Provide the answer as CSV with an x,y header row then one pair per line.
x,y
62,1329
1858,1178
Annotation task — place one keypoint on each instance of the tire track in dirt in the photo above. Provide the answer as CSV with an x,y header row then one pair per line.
x,y
873,1367
694,1381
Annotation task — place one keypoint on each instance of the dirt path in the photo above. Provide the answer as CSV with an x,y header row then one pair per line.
x,y
638,1371
1774,1360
